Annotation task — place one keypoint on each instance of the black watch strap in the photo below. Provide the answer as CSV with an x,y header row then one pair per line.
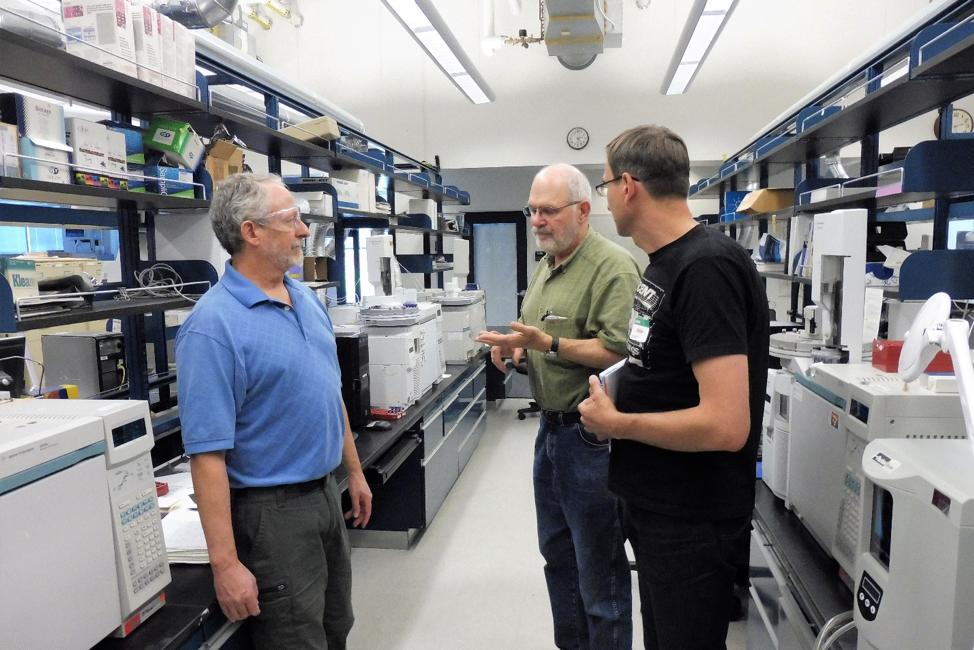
x,y
553,350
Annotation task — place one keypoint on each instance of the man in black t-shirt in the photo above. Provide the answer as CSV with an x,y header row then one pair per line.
x,y
686,421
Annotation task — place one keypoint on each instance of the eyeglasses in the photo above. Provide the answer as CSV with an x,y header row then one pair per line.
x,y
603,188
286,220
546,212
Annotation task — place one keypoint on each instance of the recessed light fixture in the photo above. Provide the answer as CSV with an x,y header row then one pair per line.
x,y
707,18
422,20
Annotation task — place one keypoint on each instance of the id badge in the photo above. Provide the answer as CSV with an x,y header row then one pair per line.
x,y
639,332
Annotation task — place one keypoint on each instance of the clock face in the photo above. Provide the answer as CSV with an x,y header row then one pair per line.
x,y
577,138
961,122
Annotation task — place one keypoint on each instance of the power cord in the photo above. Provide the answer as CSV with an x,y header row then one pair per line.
x,y
162,280
40,382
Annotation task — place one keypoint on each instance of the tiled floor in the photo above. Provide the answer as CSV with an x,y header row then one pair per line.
x,y
475,579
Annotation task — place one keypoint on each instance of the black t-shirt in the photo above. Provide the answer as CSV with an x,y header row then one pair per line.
x,y
700,297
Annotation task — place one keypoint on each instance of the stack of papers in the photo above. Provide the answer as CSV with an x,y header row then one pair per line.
x,y
183,532
180,493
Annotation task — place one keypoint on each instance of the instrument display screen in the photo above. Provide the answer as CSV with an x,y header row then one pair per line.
x,y
881,534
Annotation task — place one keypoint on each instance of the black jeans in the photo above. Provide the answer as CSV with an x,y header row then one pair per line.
x,y
293,539
686,573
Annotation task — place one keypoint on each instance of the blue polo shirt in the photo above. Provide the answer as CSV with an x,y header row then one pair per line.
x,y
261,381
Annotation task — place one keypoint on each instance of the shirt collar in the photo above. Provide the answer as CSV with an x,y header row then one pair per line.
x,y
550,259
248,293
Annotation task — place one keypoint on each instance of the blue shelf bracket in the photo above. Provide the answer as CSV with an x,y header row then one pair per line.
x,y
924,273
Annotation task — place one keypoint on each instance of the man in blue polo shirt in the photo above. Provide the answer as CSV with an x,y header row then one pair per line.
x,y
262,417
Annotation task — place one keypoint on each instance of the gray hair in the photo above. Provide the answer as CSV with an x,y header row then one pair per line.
x,y
579,189
239,198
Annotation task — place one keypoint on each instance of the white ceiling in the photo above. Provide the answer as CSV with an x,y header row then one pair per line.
x,y
770,54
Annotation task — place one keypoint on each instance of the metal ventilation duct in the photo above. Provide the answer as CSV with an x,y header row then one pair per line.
x,y
580,30
197,14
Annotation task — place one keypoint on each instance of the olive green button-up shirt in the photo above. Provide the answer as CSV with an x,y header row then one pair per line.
x,y
589,295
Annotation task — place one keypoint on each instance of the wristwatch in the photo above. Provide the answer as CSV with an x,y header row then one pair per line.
x,y
553,350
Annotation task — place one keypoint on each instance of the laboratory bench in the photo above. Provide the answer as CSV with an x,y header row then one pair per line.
x,y
795,585
192,617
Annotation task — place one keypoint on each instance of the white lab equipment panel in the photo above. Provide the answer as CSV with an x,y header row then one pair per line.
x,y
140,551
57,562
914,578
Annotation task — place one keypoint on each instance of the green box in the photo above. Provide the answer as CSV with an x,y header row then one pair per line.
x,y
21,275
176,140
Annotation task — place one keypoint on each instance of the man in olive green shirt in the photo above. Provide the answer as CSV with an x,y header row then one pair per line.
x,y
574,322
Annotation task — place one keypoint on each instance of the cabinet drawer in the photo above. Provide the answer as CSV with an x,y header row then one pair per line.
x,y
433,430
469,445
480,381
440,472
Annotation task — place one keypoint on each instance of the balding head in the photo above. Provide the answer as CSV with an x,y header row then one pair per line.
x,y
578,187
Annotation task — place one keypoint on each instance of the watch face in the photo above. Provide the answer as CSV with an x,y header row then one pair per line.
x,y
577,138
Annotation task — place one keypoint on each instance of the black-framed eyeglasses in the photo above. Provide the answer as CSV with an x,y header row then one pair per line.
x,y
545,211
603,188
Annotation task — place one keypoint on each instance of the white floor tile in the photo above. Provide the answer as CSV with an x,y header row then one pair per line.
x,y
474,579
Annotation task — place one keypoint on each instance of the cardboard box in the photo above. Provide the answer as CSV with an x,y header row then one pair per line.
x,y
170,181
355,187
423,206
106,24
315,269
21,275
177,141
115,156
41,128
88,142
223,159
767,200
9,164
321,128
185,53
148,44
170,64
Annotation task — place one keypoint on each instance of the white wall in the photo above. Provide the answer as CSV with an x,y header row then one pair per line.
x,y
770,54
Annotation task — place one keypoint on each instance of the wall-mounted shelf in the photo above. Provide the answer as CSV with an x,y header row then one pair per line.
x,y
102,310
935,83
23,189
40,65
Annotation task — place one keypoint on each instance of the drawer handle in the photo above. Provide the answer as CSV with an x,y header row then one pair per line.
x,y
393,460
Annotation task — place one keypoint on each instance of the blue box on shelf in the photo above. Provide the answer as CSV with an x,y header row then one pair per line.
x,y
420,179
764,145
379,156
812,115
170,181
732,200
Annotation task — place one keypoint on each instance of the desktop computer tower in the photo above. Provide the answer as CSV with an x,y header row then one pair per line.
x,y
353,359
94,361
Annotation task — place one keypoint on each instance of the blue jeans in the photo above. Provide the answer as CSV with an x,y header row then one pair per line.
x,y
686,575
580,536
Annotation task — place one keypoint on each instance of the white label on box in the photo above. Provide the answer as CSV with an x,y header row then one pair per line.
x,y
164,136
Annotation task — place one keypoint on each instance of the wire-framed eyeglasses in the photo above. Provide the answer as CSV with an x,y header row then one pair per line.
x,y
546,211
603,188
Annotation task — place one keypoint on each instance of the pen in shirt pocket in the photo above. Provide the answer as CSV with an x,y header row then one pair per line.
x,y
548,315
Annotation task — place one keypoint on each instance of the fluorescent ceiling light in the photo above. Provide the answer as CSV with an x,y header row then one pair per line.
x,y
707,18
427,27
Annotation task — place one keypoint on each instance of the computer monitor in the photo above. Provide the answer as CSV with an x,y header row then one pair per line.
x,y
12,352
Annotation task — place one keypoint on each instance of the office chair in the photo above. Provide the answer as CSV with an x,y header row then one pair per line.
x,y
532,407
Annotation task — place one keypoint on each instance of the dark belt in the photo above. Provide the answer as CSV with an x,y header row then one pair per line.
x,y
290,488
561,418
